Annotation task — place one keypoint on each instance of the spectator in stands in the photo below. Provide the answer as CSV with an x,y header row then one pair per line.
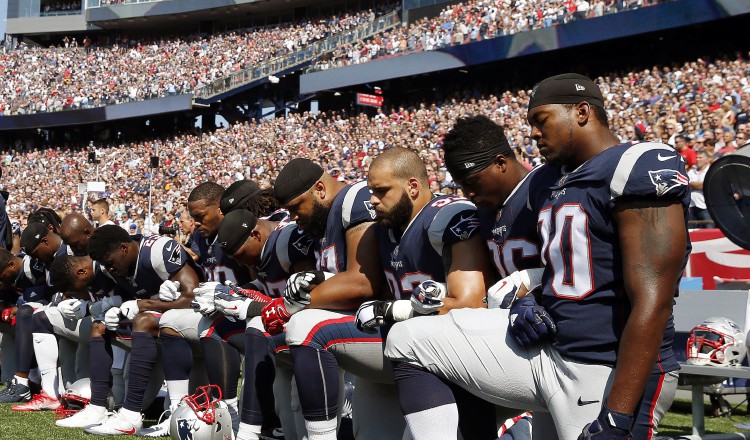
x,y
696,175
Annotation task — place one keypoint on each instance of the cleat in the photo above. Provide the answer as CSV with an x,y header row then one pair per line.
x,y
89,416
15,393
39,402
161,429
117,424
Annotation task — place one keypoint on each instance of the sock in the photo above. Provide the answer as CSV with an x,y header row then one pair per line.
x,y
323,429
45,348
433,424
143,355
24,343
178,361
133,416
96,408
21,380
100,361
232,407
34,375
317,375
248,432
257,385
427,402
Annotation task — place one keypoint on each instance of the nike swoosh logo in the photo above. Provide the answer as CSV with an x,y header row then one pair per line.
x,y
663,158
169,249
502,285
232,308
586,402
130,431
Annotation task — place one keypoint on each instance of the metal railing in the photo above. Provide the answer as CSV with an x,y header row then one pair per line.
x,y
304,55
108,3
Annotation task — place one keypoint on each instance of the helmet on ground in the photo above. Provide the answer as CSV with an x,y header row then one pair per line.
x,y
76,397
716,341
202,416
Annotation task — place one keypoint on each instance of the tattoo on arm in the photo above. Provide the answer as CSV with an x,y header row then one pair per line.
x,y
360,227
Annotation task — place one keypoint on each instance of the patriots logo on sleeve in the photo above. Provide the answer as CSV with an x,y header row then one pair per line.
x,y
665,180
370,209
176,257
303,244
465,227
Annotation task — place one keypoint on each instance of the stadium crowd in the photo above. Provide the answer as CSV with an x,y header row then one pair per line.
x,y
472,21
698,107
73,76
92,74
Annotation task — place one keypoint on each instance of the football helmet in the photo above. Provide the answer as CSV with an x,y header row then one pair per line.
x,y
76,397
202,416
716,341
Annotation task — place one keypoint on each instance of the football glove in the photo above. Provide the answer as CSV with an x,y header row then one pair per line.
x,y
129,309
529,322
427,297
210,289
169,290
73,309
112,318
504,292
609,425
300,284
204,305
275,315
99,308
9,315
238,306
373,314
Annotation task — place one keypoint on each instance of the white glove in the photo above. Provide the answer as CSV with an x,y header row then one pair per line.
x,y
73,309
169,290
232,305
112,318
99,308
505,292
210,288
427,297
204,305
300,284
129,309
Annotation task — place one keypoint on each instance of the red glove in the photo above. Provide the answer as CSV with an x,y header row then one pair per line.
x,y
8,315
274,316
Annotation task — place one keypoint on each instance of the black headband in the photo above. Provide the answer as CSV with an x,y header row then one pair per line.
x,y
462,163
234,230
297,176
237,195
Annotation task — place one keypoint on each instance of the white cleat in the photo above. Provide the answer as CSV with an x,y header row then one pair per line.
x,y
117,424
161,429
89,416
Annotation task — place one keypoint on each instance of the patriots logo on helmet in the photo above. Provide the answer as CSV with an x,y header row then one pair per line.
x,y
665,180
465,227
303,244
183,429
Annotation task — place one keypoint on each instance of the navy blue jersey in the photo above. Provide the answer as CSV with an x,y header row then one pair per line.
x,y
158,259
417,255
31,281
215,264
583,283
350,208
286,246
510,232
105,285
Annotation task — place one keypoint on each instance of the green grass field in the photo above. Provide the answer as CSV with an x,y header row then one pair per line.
x,y
40,426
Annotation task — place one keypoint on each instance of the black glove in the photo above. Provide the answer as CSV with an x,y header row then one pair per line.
x,y
610,425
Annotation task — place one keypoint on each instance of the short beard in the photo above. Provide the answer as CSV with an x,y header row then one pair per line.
x,y
399,216
318,219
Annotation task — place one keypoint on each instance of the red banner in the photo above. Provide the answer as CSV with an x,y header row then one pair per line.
x,y
714,255
370,100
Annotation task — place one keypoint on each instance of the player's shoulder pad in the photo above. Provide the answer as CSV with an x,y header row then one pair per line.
x,y
456,220
356,207
167,256
538,182
293,245
649,169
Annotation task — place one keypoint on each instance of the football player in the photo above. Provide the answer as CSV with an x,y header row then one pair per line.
x,y
75,231
180,328
342,218
614,240
274,250
147,263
